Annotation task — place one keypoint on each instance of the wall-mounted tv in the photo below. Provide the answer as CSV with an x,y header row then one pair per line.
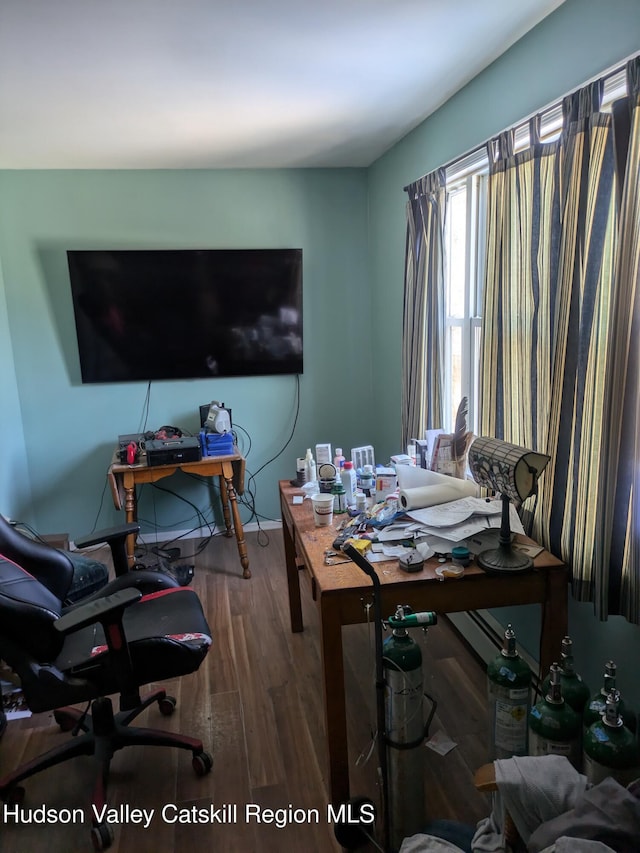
x,y
187,313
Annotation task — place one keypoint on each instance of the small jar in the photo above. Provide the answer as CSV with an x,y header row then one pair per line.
x,y
339,498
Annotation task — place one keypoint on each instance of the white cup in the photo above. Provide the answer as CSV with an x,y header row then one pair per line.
x,y
322,509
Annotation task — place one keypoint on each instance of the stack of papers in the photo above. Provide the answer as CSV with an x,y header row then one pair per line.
x,y
437,529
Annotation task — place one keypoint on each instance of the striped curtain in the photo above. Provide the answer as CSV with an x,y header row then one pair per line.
x,y
618,590
561,331
572,498
423,317
519,299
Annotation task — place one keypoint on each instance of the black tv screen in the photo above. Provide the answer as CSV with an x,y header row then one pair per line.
x,y
187,313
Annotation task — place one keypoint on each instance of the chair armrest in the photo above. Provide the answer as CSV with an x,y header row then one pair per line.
x,y
108,609
115,537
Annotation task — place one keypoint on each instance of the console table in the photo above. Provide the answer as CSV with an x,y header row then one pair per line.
x,y
229,469
342,590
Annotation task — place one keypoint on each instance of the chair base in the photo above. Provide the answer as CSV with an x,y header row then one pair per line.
x,y
101,734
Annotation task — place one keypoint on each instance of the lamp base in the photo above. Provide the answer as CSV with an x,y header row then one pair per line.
x,y
504,559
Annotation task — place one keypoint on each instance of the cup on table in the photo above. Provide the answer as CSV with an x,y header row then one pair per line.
x,y
322,509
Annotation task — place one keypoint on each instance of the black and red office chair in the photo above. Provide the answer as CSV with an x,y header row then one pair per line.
x,y
142,627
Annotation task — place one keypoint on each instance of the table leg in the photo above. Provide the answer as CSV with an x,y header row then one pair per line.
x,y
224,498
555,619
131,514
237,524
334,699
293,578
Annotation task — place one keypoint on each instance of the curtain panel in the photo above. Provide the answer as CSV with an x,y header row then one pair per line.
x,y
561,333
619,591
423,313
519,299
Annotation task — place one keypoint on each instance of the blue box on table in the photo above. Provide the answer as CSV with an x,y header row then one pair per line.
x,y
216,444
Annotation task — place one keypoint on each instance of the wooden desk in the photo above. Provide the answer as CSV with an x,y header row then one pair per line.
x,y
341,591
229,469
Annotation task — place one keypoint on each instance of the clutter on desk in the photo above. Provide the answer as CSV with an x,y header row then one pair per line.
x,y
402,510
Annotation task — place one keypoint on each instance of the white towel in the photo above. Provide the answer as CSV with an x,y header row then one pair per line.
x,y
533,789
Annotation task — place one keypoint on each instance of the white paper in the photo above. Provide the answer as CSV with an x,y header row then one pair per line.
x,y
458,511
471,527
441,743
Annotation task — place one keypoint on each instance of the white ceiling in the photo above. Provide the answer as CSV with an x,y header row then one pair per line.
x,y
235,83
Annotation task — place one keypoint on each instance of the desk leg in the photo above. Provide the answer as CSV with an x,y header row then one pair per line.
x,y
237,524
293,578
334,699
555,619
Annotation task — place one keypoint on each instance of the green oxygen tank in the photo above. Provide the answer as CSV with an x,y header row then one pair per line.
x,y
609,747
509,690
554,727
595,708
574,691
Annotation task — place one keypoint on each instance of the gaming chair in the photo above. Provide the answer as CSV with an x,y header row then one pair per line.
x,y
140,628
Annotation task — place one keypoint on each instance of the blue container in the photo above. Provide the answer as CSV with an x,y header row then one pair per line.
x,y
216,444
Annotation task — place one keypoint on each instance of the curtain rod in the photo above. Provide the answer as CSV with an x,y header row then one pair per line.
x,y
604,75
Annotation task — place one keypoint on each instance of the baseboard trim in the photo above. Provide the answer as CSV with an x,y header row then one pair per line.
x,y
150,537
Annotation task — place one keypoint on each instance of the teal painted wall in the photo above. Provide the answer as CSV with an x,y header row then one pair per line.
x,y
70,429
14,480
578,41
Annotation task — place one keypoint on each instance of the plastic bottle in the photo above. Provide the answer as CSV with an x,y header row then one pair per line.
x,y
596,706
574,690
348,477
509,687
339,498
309,467
367,480
609,747
338,460
554,727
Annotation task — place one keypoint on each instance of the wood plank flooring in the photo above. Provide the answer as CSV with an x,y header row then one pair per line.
x,y
256,702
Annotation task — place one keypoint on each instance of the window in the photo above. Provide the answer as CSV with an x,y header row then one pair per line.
x,y
464,276
465,231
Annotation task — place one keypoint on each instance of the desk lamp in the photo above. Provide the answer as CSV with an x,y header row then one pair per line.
x,y
513,472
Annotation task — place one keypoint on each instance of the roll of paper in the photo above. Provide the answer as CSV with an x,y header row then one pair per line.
x,y
420,497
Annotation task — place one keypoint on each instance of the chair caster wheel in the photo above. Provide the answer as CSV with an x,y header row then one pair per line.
x,y
357,829
167,705
101,836
202,763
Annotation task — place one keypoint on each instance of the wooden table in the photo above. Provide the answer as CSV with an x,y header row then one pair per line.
x,y
229,469
341,592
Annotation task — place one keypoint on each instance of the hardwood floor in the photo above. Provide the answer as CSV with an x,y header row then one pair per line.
x,y
256,702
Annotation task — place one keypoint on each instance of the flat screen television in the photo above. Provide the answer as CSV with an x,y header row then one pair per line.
x,y
186,313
